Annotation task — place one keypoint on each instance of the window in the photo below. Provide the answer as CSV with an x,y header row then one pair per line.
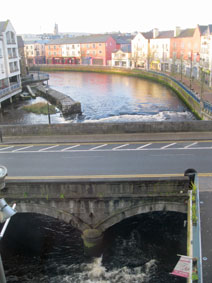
x,y
94,45
55,53
55,47
100,44
94,52
88,52
73,46
49,53
100,51
88,46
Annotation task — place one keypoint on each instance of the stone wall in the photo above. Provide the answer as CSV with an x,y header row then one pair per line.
x,y
106,128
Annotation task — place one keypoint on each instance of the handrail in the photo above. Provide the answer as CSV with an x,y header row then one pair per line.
x,y
9,89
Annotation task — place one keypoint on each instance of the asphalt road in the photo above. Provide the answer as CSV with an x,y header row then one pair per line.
x,y
106,159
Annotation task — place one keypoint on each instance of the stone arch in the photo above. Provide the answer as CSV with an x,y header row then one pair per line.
x,y
54,212
142,208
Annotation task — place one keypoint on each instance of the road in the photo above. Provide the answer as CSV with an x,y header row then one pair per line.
x,y
122,159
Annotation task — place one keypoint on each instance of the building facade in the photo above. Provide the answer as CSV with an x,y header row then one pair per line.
x,y
34,52
122,58
10,81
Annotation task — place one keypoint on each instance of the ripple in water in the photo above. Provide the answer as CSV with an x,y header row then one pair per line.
x,y
37,248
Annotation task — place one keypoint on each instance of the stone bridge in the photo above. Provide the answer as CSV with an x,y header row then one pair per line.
x,y
92,206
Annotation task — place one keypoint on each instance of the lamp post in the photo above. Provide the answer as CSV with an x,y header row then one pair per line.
x,y
6,212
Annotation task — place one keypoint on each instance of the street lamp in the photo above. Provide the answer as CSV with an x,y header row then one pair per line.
x,y
6,212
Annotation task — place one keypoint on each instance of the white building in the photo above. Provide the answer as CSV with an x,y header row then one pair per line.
x,y
71,51
206,52
140,49
10,81
160,50
122,57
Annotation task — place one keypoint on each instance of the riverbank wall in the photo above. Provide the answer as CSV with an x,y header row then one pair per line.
x,y
189,98
105,128
65,103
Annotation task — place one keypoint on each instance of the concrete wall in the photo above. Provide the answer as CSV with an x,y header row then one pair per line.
x,y
106,128
98,204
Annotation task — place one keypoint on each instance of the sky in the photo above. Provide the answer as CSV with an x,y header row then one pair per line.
x,y
100,16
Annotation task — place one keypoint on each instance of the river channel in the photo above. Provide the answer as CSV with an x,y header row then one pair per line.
x,y
105,98
141,249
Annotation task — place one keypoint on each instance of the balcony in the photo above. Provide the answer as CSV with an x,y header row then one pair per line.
x,y
10,89
10,41
13,70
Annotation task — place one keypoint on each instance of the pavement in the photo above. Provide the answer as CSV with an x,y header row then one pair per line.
x,y
181,136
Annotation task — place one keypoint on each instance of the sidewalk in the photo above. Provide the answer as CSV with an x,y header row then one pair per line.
x,y
196,87
138,137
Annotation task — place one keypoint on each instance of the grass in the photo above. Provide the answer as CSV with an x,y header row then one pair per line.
x,y
40,108
194,209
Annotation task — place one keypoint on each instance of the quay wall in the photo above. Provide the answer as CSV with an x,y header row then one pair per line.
x,y
183,93
105,128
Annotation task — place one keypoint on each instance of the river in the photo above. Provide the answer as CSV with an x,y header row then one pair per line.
x,y
105,98
143,249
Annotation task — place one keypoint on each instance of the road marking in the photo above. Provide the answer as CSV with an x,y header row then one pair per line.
x,y
96,147
22,148
190,145
166,146
7,147
118,147
73,146
43,149
140,147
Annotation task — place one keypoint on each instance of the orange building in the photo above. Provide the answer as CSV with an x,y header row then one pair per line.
x,y
97,49
185,51
53,52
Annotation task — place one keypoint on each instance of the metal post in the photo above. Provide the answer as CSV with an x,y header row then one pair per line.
x,y
49,118
2,275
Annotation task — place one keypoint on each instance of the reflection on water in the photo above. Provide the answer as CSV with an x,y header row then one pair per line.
x,y
37,248
106,98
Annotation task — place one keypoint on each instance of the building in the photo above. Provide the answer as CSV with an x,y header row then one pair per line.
x,y
206,54
122,57
22,58
10,81
185,52
140,46
89,50
35,52
160,49
97,49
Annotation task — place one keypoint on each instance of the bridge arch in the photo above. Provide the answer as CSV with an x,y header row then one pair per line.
x,y
54,212
139,209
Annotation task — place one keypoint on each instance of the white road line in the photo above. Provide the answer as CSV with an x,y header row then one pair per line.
x,y
73,146
43,149
143,146
166,146
22,148
7,147
99,146
120,146
190,145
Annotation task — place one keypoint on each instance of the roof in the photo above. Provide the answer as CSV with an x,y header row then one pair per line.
x,y
125,49
39,41
166,34
148,35
81,39
210,29
122,39
203,29
3,26
186,32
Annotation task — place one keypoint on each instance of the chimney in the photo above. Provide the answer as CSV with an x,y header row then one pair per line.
x,y
177,31
155,32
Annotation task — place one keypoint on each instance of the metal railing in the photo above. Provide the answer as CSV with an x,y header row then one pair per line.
x,y
9,89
